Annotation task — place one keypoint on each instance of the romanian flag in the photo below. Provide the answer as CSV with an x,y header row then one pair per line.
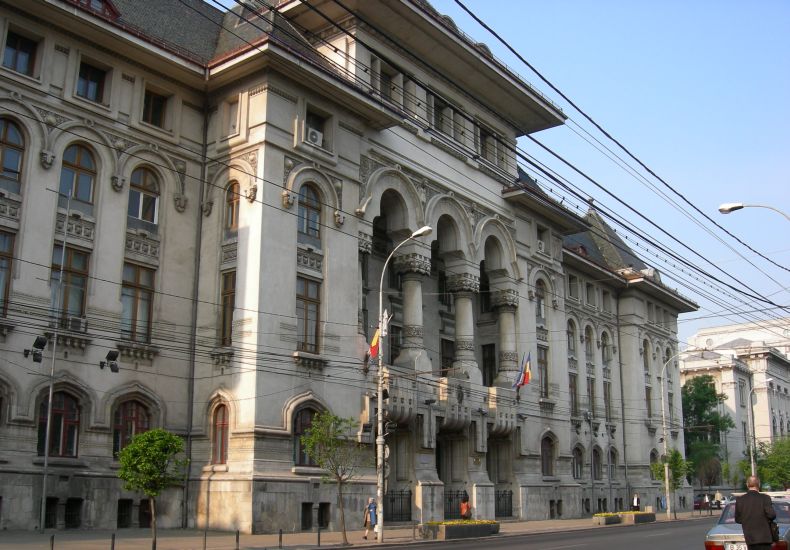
x,y
525,374
374,345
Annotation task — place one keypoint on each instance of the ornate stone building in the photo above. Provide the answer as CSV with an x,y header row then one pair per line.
x,y
212,195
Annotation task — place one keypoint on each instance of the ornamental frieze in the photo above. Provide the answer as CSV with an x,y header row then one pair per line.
x,y
508,356
76,228
413,263
412,331
463,282
542,334
51,119
310,260
465,345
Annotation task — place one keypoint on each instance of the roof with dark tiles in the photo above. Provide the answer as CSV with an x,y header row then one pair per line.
x,y
603,245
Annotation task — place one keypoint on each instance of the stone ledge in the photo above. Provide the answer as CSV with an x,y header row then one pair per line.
x,y
429,531
606,520
641,517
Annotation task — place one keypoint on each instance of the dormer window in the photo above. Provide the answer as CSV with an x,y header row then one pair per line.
x,y
91,83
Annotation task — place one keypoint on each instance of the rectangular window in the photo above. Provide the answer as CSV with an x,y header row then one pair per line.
x,y
448,356
487,146
68,295
742,392
607,400
573,287
308,304
543,370
488,352
154,109
91,82
20,53
590,294
649,401
606,301
137,296
591,394
232,121
316,129
6,256
228,304
671,406
573,392
543,239
745,434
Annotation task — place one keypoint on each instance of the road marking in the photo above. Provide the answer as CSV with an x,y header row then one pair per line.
x,y
568,546
656,535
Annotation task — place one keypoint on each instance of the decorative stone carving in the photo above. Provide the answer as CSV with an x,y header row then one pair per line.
x,y
340,218
504,298
463,282
252,160
142,245
207,206
542,334
288,199
251,193
117,181
508,356
459,394
120,143
288,165
365,243
211,171
413,263
9,209
465,345
310,260
531,295
51,119
46,158
76,228
180,202
412,331
229,253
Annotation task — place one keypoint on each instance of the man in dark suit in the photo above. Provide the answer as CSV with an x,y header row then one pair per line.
x,y
754,511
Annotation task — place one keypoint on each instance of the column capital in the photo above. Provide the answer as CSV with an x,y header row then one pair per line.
x,y
504,298
365,243
412,262
463,282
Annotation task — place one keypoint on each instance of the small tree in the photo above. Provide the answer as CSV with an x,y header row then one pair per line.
x,y
148,464
679,468
775,466
331,442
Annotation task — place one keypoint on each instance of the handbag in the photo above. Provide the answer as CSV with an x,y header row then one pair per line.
x,y
774,531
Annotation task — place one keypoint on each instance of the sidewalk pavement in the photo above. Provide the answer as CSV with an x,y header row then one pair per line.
x,y
193,539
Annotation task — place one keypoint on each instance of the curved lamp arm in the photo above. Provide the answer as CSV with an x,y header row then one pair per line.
x,y
728,207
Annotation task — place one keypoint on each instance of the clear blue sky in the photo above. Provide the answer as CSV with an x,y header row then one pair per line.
x,y
699,91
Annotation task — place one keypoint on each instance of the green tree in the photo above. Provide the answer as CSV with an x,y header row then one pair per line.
x,y
775,465
679,468
703,425
149,465
331,442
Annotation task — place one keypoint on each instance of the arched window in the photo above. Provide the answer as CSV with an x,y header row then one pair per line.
x,y
12,149
577,463
219,435
571,336
606,348
596,463
646,355
653,460
144,196
309,230
130,419
77,176
588,342
64,434
612,463
232,208
540,302
302,422
547,456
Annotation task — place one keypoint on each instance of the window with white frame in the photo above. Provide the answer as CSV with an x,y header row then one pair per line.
x,y
143,209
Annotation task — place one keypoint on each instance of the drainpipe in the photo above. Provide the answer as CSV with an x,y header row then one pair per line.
x,y
195,296
622,395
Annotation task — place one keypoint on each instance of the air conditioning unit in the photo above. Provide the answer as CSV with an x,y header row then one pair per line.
x,y
75,324
541,246
315,137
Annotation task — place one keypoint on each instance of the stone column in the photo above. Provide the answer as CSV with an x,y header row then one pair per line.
x,y
365,245
413,266
464,285
506,302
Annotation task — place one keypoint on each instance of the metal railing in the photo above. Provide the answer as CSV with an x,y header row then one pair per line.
x,y
503,504
452,504
397,505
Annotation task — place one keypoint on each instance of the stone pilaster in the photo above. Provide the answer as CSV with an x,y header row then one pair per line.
x,y
506,302
464,285
412,266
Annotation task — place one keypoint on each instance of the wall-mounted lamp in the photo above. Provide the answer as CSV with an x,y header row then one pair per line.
x,y
482,411
521,416
110,361
38,346
430,401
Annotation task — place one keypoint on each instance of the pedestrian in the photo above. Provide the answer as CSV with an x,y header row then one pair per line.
x,y
466,509
707,504
755,512
370,517
663,502
635,503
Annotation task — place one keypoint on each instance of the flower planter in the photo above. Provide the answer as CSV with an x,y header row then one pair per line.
x,y
642,517
605,520
430,531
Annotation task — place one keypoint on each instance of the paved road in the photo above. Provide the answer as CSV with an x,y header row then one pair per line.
x,y
686,535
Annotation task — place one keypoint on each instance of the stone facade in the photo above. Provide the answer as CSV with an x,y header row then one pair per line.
x,y
222,190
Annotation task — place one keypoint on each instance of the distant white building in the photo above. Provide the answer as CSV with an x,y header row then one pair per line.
x,y
231,184
748,361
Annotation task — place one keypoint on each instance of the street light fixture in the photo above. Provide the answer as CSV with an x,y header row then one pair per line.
x,y
728,207
751,425
421,232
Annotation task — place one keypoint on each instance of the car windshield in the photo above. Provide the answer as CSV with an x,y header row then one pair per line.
x,y
782,510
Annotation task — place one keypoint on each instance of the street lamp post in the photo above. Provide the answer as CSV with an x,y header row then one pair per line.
x,y
728,207
750,418
425,230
